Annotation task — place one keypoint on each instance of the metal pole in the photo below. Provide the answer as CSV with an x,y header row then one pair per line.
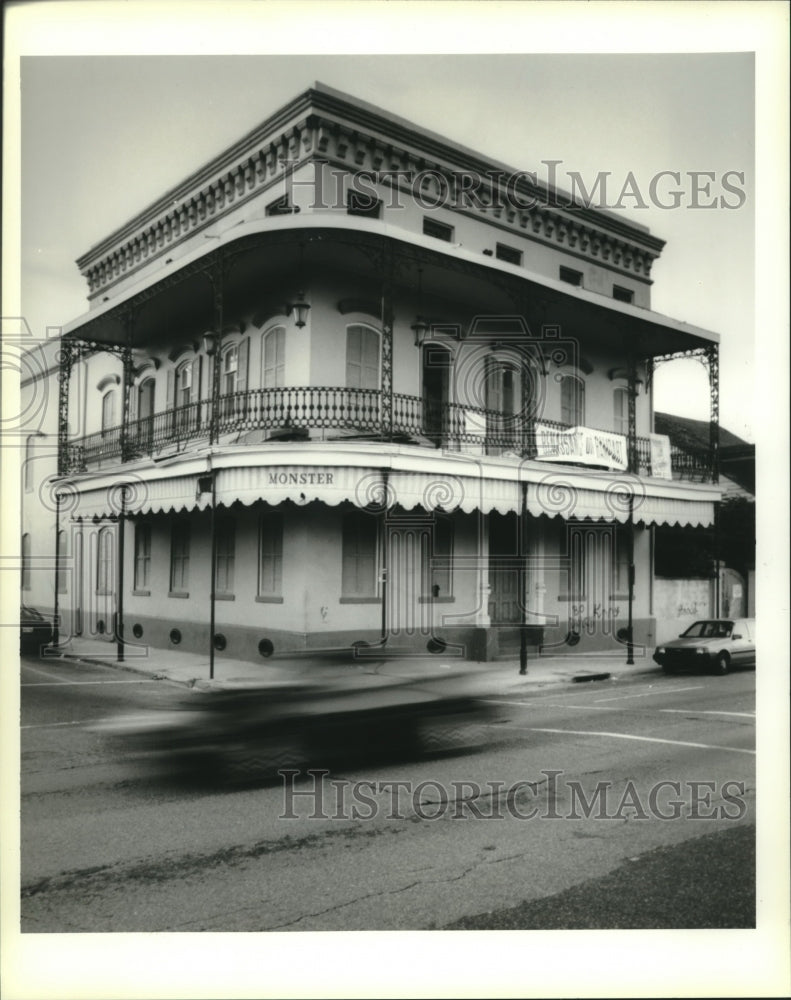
x,y
119,619
716,559
629,624
523,583
385,542
55,629
213,583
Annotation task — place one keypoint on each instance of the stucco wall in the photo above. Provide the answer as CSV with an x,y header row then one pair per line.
x,y
678,603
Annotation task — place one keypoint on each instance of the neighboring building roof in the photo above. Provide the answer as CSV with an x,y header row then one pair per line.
x,y
737,456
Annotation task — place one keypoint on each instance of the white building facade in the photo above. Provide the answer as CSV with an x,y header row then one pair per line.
x,y
352,386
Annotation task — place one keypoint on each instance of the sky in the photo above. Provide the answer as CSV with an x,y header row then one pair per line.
x,y
102,137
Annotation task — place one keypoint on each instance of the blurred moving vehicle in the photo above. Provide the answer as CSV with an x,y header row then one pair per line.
x,y
241,732
34,630
717,644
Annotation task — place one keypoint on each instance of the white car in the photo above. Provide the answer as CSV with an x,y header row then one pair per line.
x,y
717,644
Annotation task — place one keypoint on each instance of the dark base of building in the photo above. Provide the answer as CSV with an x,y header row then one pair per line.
x,y
477,644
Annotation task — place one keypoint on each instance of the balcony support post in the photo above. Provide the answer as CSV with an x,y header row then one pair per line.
x,y
523,589
126,387
119,603
216,276
633,469
713,365
387,347
66,360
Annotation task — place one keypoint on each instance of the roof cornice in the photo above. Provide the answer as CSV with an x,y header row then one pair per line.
x,y
323,125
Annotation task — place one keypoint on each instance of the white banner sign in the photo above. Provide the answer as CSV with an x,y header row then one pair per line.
x,y
581,444
660,456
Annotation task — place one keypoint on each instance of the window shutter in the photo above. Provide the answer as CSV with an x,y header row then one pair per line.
x,y
241,374
134,392
171,390
197,365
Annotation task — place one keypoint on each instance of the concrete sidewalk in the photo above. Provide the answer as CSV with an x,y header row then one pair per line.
x,y
497,677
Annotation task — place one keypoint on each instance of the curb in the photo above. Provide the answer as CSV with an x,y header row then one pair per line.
x,y
518,686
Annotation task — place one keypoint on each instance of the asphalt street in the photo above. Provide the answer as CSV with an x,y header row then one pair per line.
x,y
586,795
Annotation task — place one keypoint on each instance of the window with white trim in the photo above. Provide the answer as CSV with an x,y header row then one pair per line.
x,y
360,541
620,402
572,401
108,410
270,554
179,556
142,556
226,555
104,562
362,357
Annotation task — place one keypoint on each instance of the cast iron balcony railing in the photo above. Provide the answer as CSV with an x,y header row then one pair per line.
x,y
293,413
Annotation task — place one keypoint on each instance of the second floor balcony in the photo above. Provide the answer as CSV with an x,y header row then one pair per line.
x,y
340,414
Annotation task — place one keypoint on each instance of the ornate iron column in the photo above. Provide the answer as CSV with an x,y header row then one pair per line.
x,y
126,390
633,469
68,355
387,347
713,362
632,415
216,276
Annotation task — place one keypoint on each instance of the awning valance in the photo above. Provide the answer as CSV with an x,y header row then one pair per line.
x,y
555,495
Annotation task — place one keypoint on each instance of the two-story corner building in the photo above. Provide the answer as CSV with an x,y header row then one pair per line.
x,y
353,383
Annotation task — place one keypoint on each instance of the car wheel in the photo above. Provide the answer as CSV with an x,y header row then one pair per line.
x,y
723,664
668,668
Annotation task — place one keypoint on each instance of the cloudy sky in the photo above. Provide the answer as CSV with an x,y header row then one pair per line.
x,y
104,136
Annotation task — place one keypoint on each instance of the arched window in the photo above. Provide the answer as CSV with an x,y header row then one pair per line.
x,y
620,401
25,553
108,410
503,403
230,369
273,358
572,401
184,384
362,357
104,562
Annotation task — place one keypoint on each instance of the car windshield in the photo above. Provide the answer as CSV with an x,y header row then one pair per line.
x,y
709,630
